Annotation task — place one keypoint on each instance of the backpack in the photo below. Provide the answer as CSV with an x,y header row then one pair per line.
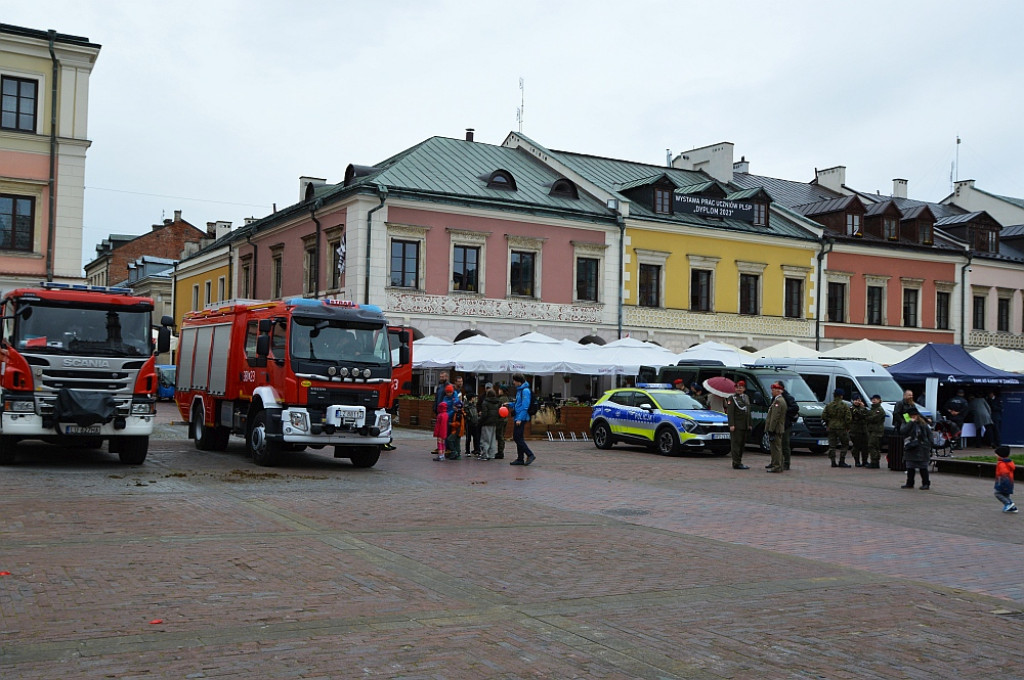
x,y
534,404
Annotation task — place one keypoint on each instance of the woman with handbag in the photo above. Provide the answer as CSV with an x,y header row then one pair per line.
x,y
917,448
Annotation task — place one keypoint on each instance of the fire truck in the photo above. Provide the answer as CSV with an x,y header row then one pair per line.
x,y
77,368
291,374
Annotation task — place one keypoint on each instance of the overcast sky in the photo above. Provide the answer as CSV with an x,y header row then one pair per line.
x,y
217,107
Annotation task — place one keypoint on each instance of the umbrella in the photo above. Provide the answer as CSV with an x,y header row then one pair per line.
x,y
720,386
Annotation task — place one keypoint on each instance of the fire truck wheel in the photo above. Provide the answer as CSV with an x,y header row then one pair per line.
x,y
263,451
361,456
133,450
7,450
208,438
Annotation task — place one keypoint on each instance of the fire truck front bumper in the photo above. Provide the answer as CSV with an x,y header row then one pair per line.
x,y
341,425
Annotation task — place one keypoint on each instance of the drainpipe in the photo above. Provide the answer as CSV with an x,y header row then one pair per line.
x,y
52,221
255,267
316,249
622,263
231,273
963,299
382,194
829,242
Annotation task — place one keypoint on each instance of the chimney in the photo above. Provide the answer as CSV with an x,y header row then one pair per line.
x,y
304,186
177,216
250,220
742,165
715,160
899,188
832,178
215,230
469,134
962,185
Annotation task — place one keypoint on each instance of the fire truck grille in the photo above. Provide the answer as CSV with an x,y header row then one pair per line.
x,y
323,397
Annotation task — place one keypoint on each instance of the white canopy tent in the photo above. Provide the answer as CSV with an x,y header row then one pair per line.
x,y
786,349
1003,359
730,355
866,349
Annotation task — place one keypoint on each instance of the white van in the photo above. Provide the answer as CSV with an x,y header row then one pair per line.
x,y
853,376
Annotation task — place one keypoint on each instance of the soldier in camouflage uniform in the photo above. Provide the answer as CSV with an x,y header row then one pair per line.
x,y
876,429
859,432
837,419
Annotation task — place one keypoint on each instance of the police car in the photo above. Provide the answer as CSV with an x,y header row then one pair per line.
x,y
655,415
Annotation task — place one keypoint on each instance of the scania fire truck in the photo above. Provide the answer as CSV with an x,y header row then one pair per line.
x,y
77,368
292,374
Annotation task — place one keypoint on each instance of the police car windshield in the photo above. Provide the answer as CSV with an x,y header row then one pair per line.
x,y
330,340
677,401
882,385
93,331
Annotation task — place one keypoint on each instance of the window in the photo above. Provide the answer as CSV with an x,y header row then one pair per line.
x,y
942,300
852,224
662,201
910,296
405,263
750,285
521,273
220,289
246,278
1003,315
794,294
836,302
700,290
876,300
760,215
207,287
309,284
195,296
18,104
17,216
563,188
586,278
336,256
501,179
890,229
993,241
649,289
276,275
466,268
979,313
251,333
925,230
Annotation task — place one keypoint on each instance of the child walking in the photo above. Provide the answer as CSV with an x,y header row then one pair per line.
x,y
441,429
1004,479
456,430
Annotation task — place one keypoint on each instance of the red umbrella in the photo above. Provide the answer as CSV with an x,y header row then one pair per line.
x,y
720,386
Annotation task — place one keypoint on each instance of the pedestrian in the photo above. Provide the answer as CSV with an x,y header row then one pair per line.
x,y
876,428
502,427
456,430
489,419
1004,478
460,390
902,407
737,410
981,415
995,407
859,432
678,384
441,430
837,419
917,448
792,414
956,408
439,394
521,410
697,392
775,426
472,425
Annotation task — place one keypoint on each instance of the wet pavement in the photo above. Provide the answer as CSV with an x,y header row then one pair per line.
x,y
587,564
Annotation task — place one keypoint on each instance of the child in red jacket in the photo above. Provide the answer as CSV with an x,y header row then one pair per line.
x,y
441,429
1004,479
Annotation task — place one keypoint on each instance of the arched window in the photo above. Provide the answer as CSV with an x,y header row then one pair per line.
x,y
563,188
502,179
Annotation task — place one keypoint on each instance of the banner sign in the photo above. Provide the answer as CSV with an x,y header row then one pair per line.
x,y
714,207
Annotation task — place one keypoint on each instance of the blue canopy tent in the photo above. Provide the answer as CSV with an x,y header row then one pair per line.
x,y
935,365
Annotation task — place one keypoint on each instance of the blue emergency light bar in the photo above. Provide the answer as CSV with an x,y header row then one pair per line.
x,y
654,386
312,302
113,290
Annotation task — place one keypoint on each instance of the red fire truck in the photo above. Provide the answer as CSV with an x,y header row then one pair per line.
x,y
292,374
77,368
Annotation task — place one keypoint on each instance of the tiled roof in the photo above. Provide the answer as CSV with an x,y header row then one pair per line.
x,y
1012,231
786,192
952,220
825,207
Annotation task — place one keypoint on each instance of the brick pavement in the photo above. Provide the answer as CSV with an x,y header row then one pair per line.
x,y
589,564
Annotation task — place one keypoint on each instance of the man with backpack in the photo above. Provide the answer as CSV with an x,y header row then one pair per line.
x,y
521,408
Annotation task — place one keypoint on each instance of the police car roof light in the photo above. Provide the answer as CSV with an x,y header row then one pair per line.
x,y
654,386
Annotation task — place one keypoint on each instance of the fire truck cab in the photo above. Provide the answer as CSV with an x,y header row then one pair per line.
x,y
292,374
77,368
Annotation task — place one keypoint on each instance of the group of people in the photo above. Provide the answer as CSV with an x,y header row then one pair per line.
x,y
984,411
481,420
782,413
857,429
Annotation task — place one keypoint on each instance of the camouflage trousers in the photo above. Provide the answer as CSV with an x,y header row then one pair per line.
x,y
838,439
860,447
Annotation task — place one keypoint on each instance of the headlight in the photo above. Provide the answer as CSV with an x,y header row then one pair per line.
x,y
687,425
21,406
367,373
800,419
384,422
142,409
299,421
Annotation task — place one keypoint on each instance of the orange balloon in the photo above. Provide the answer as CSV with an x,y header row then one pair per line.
x,y
503,411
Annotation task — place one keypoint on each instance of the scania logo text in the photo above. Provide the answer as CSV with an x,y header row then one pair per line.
x,y
87,363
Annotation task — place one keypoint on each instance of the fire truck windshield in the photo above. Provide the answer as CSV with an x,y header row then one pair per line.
x,y
93,331
335,340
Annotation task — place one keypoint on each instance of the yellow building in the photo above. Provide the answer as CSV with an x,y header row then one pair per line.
x,y
202,279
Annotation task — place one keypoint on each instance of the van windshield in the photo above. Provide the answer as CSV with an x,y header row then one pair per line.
x,y
882,385
794,384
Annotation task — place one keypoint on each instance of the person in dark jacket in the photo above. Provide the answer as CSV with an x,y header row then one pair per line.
x,y
792,413
859,432
956,409
737,409
917,448
489,419
876,428
837,419
995,407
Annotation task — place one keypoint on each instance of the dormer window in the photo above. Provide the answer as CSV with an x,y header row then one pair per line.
x,y
925,231
662,201
760,215
890,229
501,179
563,188
852,224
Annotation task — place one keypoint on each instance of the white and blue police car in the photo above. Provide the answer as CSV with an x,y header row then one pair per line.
x,y
655,415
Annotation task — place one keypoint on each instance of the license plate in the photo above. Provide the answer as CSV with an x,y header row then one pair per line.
x,y
76,429
822,442
349,414
720,435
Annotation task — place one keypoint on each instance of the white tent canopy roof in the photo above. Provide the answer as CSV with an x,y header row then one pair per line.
x,y
787,349
1003,359
866,349
730,355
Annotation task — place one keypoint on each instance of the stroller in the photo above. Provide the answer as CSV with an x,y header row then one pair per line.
x,y
945,438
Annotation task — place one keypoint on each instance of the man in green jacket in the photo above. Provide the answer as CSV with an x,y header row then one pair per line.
x,y
837,420
876,429
775,426
859,432
737,409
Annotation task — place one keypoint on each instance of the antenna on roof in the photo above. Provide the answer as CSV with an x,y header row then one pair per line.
x,y
521,111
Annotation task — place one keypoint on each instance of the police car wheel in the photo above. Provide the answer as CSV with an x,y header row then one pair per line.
x,y
602,436
666,442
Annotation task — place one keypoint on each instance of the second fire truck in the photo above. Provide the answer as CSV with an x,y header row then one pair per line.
x,y
292,374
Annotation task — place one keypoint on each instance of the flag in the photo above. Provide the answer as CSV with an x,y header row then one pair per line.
x,y
341,255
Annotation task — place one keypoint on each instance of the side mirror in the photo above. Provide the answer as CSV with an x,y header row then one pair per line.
x,y
167,320
647,407
263,344
25,312
403,355
265,325
163,339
